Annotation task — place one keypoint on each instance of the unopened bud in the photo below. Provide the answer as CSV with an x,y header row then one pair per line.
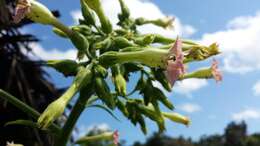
x,y
178,118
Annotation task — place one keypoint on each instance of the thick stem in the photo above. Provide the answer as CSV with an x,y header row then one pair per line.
x,y
72,119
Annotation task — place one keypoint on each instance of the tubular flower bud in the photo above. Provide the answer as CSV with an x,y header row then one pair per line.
x,y
119,80
35,11
152,57
178,118
87,13
125,13
166,23
96,6
56,108
114,136
212,72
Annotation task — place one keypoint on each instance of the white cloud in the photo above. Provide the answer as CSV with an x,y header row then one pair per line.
x,y
256,88
189,107
53,54
239,44
83,129
189,85
247,114
146,9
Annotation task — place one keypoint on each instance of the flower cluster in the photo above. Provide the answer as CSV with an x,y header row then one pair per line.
x,y
115,54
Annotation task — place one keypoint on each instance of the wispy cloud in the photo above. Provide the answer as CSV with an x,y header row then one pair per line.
x,y
188,86
256,88
189,107
83,129
239,44
246,114
38,52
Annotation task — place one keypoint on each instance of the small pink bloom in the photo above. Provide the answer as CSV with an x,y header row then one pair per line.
x,y
21,9
215,71
116,137
175,68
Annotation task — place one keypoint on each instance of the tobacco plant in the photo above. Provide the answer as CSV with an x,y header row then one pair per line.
x,y
106,53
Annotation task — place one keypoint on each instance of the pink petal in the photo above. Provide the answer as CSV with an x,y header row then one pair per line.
x,y
175,68
215,71
176,49
22,8
116,137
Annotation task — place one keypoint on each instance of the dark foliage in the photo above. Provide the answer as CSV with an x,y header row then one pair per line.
x,y
22,78
235,135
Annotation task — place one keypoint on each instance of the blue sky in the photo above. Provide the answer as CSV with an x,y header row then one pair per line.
x,y
234,24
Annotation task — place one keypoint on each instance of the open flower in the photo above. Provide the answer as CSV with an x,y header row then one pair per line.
x,y
175,68
116,137
21,9
215,71
33,10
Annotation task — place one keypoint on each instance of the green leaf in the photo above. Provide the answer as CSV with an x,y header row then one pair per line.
x,y
23,122
104,108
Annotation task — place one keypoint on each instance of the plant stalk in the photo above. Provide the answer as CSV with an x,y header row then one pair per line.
x,y
73,117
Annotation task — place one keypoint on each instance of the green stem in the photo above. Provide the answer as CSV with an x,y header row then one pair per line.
x,y
62,27
25,108
72,119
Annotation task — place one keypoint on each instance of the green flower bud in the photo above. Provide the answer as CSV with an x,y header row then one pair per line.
x,y
103,92
104,44
56,108
144,40
53,111
87,13
153,115
100,71
96,6
59,32
125,13
204,73
83,29
81,43
104,136
165,23
66,67
165,40
119,80
151,57
178,118
121,42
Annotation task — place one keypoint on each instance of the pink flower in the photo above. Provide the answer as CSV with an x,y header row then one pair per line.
x,y
175,68
116,137
21,9
215,71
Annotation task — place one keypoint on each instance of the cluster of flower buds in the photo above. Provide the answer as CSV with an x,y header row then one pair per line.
x,y
114,54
